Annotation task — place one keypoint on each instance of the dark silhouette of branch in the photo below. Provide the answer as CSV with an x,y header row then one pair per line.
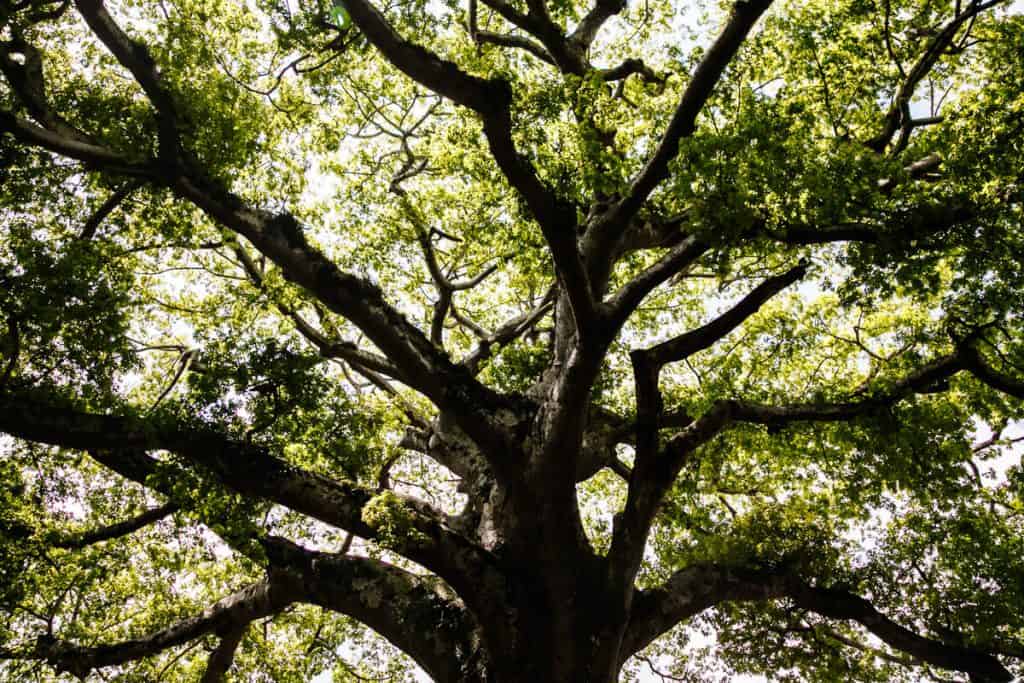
x,y
693,589
223,656
118,530
106,208
898,117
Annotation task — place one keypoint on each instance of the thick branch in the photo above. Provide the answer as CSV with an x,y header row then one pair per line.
x,y
279,237
73,148
694,589
586,31
224,655
426,68
253,602
416,613
119,443
136,58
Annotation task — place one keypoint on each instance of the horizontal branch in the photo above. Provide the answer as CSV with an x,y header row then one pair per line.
x,y
252,602
694,589
73,148
120,442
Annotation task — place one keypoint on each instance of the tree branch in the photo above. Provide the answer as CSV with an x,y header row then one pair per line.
x,y
120,442
519,42
508,332
87,538
253,602
136,58
279,237
898,116
106,208
492,101
687,344
694,589
591,23
221,658
418,614
684,120
620,305
415,613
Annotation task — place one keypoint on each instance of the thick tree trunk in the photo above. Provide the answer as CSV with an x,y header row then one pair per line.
x,y
559,624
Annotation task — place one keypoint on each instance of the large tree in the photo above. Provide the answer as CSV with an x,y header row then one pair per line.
x,y
539,341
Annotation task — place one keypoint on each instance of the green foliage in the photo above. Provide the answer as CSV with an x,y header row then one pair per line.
x,y
285,104
393,521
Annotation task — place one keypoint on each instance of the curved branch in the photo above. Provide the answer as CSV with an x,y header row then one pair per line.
x,y
696,588
492,101
120,443
426,68
253,602
620,305
591,23
519,42
415,613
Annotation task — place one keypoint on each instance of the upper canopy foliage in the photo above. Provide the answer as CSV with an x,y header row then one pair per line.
x,y
713,313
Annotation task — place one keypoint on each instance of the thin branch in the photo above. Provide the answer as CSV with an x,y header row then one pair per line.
x,y
118,530
684,120
106,208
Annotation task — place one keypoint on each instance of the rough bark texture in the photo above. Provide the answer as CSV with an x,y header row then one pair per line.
x,y
518,594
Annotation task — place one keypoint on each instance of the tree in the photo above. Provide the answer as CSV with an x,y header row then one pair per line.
x,y
536,338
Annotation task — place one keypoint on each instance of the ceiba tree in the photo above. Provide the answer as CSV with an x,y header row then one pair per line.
x,y
533,337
